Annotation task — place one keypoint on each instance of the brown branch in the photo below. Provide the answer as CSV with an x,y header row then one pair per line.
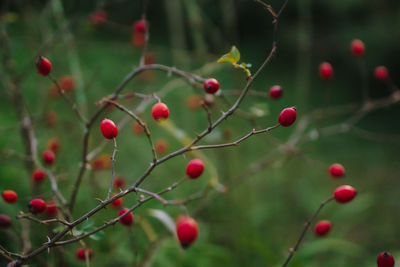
x,y
29,217
112,168
303,233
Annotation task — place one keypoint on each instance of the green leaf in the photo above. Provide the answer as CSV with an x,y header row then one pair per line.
x,y
97,236
232,57
58,229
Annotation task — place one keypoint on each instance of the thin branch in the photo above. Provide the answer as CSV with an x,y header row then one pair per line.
x,y
112,168
29,217
303,233
69,100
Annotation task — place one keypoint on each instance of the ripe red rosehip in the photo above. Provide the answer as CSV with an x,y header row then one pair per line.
x,y
194,168
108,129
54,145
81,255
161,146
326,70
187,231
51,207
344,194
98,17
128,219
160,111
48,157
38,176
5,221
287,116
357,47
140,26
119,202
336,170
322,228
381,73
211,86
9,196
275,92
385,259
43,65
37,205
119,182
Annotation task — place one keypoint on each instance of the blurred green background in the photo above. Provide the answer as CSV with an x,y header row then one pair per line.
x,y
263,190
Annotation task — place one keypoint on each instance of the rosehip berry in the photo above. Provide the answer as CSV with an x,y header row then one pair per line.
x,y
326,70
5,221
117,203
108,129
160,111
161,146
81,254
138,39
381,73
37,205
140,26
119,182
51,207
195,168
67,83
336,170
43,65
54,145
51,118
137,128
194,102
344,194
149,59
275,92
385,259
211,86
128,219
38,176
187,231
357,47
48,157
98,17
287,116
322,228
9,196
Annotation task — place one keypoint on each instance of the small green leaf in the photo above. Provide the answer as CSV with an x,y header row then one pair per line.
x,y
58,229
97,236
232,57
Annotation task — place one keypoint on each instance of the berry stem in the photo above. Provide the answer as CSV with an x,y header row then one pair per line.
x,y
112,168
305,229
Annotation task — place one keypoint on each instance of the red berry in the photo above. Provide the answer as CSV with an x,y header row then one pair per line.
x,y
138,39
81,255
287,117
194,168
128,219
108,129
9,196
211,86
117,203
48,157
67,83
357,47
43,65
194,102
37,205
51,207
344,194
137,128
38,176
336,170
140,26
187,231
160,111
161,146
149,59
51,118
322,228
385,259
119,182
275,92
381,73
326,70
53,144
98,17
5,221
